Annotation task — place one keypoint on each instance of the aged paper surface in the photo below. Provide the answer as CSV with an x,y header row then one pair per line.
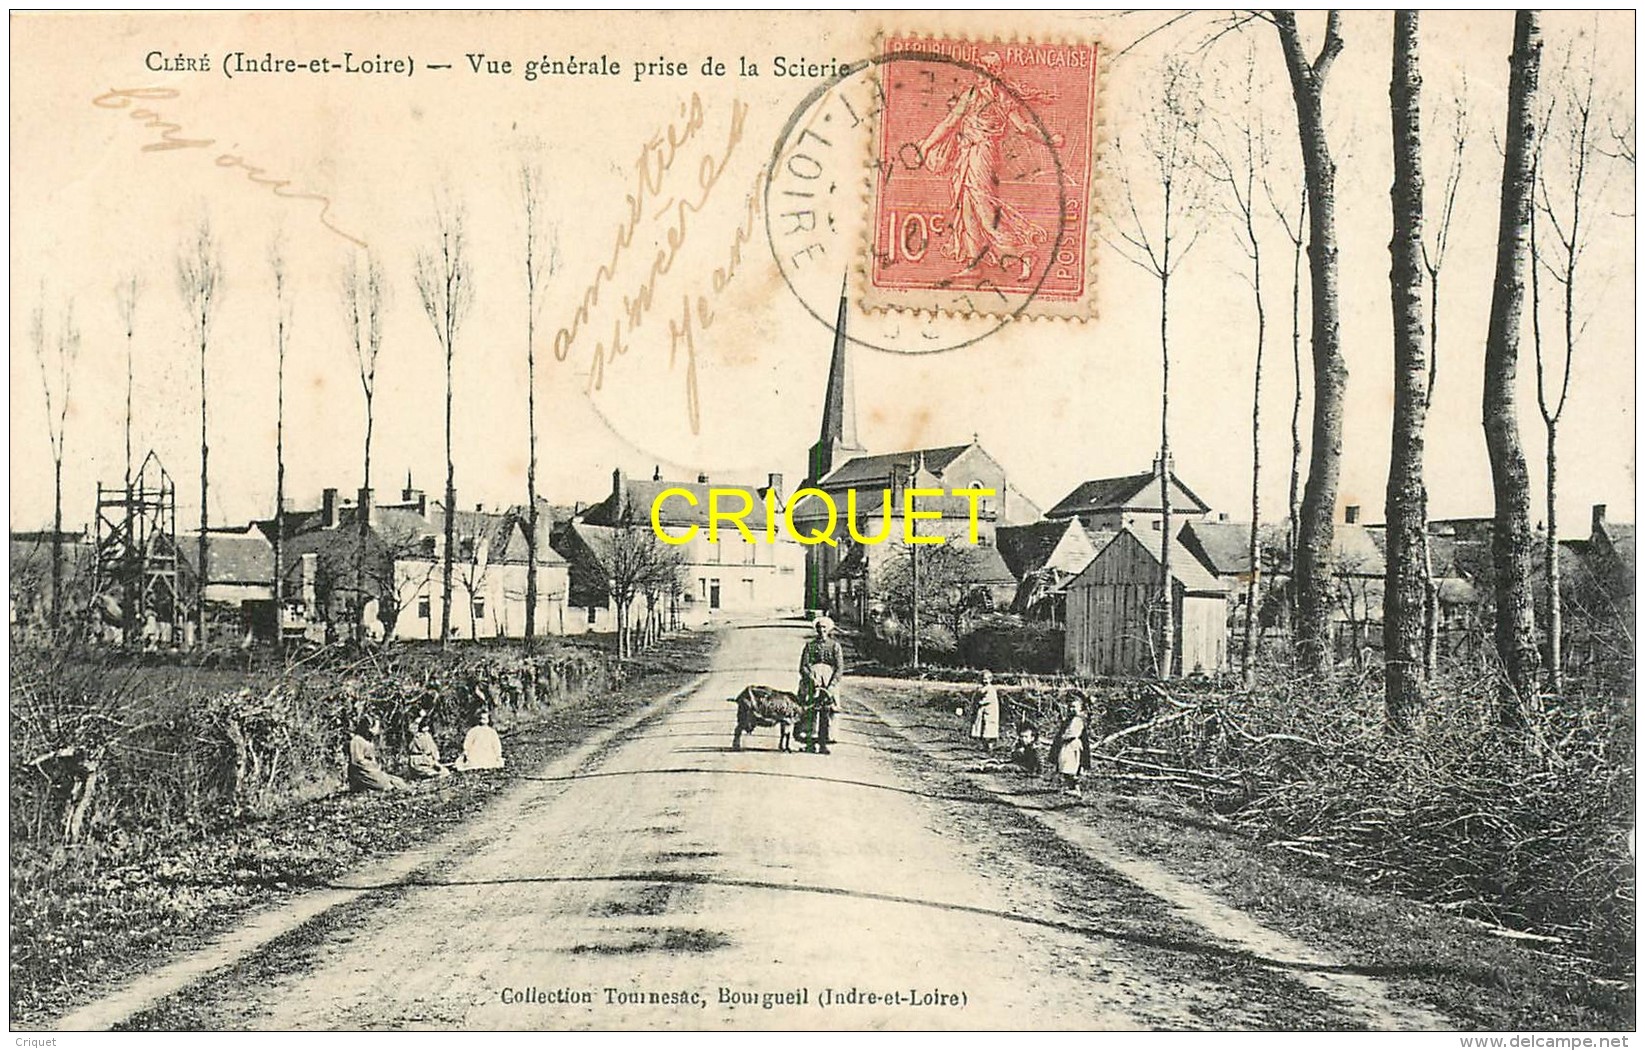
x,y
711,191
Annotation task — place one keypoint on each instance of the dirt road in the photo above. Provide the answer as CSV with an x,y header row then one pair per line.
x,y
671,882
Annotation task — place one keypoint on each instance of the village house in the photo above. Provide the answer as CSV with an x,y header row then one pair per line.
x,y
489,578
390,577
1114,612
1130,501
729,574
1044,557
239,583
1598,582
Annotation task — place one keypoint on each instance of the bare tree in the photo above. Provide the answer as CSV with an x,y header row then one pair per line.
x,y
445,286
1433,261
476,572
363,294
199,277
55,352
540,262
125,301
1315,529
1566,184
1511,538
1234,157
1405,590
634,560
1280,201
1170,140
282,320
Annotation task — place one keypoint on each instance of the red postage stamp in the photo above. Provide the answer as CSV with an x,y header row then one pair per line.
x,y
984,178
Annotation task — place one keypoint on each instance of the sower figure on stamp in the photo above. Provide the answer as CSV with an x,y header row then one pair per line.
x,y
967,144
822,661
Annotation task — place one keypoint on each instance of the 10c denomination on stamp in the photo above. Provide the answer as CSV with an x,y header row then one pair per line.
x,y
985,178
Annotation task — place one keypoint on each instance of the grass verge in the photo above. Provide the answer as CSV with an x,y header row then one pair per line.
x,y
82,933
1478,979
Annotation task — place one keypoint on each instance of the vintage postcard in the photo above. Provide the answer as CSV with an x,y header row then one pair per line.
x,y
698,521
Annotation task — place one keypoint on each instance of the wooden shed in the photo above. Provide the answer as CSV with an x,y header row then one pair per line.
x,y
1110,629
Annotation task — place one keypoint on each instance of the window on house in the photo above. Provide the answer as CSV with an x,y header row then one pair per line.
x,y
985,506
748,590
479,607
593,612
422,606
749,550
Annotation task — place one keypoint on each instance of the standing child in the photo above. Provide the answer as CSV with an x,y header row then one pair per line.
x,y
1071,752
985,722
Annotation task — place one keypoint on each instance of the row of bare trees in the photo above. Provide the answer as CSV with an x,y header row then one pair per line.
x,y
444,281
1194,161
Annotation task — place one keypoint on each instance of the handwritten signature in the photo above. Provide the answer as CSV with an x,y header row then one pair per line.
x,y
657,157
171,138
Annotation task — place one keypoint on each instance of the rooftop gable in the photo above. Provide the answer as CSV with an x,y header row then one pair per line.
x,y
1186,568
1131,492
876,469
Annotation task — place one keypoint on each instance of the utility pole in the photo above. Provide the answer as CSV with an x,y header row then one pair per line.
x,y
913,526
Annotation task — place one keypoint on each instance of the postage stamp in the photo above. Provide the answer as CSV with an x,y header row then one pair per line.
x,y
985,178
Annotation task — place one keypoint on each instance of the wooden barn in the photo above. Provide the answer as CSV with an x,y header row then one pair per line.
x,y
1109,627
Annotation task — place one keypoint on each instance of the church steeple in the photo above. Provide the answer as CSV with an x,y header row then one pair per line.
x,y
839,415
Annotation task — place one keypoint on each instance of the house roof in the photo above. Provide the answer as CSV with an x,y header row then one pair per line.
x,y
983,565
977,564
1444,550
677,511
1621,537
1356,551
877,468
1101,537
1126,492
240,557
1026,548
1224,547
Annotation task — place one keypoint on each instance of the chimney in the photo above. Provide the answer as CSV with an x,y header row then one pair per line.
x,y
774,482
411,495
1599,518
368,507
899,481
1222,516
702,478
479,508
1350,514
328,507
657,473
619,495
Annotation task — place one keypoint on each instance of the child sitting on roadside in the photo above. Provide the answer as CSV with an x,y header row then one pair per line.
x,y
1026,756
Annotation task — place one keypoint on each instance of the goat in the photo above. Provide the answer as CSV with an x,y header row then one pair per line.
x,y
765,706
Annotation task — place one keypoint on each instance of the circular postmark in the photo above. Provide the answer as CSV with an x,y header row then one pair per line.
x,y
843,173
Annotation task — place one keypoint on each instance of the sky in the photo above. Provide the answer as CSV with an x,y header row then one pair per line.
x,y
1055,401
